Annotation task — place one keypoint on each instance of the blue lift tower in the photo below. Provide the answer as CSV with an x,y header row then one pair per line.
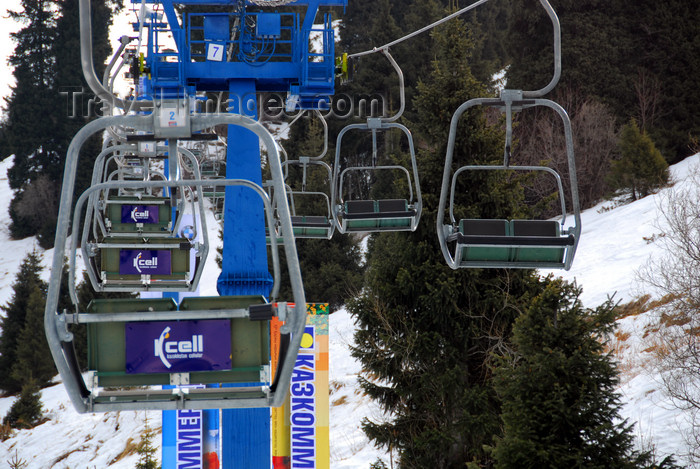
x,y
191,56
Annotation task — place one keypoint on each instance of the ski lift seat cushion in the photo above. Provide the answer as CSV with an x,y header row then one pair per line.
x,y
485,228
316,219
214,192
311,226
538,229
385,213
394,212
355,207
392,205
360,214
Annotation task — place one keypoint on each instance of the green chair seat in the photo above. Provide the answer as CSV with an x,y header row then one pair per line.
x,y
386,214
495,228
107,341
527,242
311,226
537,228
250,341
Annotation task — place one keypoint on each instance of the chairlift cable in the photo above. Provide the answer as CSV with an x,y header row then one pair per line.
x,y
420,31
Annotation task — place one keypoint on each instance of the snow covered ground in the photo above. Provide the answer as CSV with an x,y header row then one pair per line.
x,y
615,242
71,440
612,248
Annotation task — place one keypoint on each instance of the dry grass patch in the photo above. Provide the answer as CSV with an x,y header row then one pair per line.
x,y
65,455
130,448
340,401
642,304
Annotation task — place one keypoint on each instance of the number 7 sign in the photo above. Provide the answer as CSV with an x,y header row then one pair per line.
x,y
215,52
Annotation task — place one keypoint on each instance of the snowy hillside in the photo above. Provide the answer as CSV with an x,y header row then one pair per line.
x,y
611,249
71,440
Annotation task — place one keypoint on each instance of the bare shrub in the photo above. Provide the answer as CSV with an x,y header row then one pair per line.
x,y
39,201
6,431
676,275
648,91
541,140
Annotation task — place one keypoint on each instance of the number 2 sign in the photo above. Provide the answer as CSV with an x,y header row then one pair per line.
x,y
172,117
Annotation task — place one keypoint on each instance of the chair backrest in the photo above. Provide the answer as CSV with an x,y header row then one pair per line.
x,y
359,206
548,228
479,227
392,205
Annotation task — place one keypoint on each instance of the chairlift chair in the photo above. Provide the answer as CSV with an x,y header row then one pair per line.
x,y
316,224
113,382
137,248
307,226
129,212
501,243
382,214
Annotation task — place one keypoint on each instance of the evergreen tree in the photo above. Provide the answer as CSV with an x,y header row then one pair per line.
x,y
558,388
14,320
41,120
648,73
667,76
26,411
425,332
69,75
368,24
146,450
589,30
31,119
33,354
33,94
641,167
331,269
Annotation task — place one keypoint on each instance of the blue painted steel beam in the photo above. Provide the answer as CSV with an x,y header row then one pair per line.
x,y
244,271
279,71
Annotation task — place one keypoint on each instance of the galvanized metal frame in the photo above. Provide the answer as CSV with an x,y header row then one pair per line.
x,y
511,101
60,339
445,230
338,175
373,125
546,169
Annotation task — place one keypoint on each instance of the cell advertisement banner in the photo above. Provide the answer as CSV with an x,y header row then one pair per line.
x,y
145,262
178,346
140,213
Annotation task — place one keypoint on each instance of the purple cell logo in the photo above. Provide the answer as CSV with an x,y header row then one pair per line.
x,y
139,214
178,346
164,348
145,262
